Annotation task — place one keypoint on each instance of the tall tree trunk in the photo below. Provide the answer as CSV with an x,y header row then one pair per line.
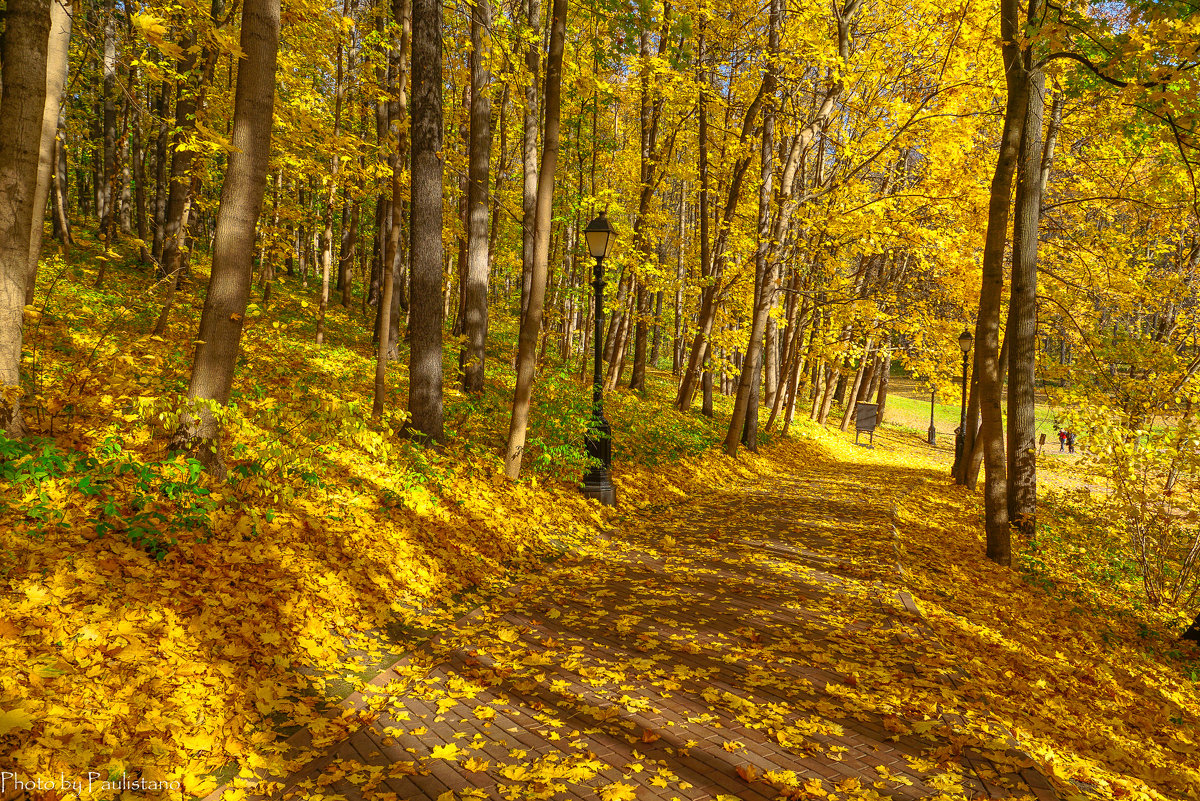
x,y
531,321
771,358
22,109
475,290
885,372
140,157
125,205
57,66
161,108
109,169
339,91
189,102
425,226
679,331
346,247
656,346
270,251
529,155
233,244
59,186
691,375
1021,331
987,326
393,206
764,284
641,336
501,172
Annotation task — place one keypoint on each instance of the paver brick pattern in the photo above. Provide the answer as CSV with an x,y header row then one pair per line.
x,y
745,645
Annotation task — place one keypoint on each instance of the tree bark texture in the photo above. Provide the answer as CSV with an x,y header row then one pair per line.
x,y
764,285
531,321
390,259
109,170
233,244
1022,314
529,155
987,326
425,222
26,37
475,310
57,66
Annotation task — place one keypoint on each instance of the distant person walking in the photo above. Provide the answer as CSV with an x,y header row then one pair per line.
x,y
1070,441
1062,440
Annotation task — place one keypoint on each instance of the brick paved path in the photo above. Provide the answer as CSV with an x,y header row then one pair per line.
x,y
742,646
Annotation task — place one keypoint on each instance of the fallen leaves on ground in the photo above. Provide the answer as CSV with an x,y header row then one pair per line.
x,y
1086,675
744,644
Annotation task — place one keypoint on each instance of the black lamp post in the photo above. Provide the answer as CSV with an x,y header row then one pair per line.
x,y
600,237
964,344
932,429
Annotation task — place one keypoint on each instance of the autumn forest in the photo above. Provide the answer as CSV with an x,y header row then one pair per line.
x,y
599,399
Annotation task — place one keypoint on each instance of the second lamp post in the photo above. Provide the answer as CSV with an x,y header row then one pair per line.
x,y
600,237
964,343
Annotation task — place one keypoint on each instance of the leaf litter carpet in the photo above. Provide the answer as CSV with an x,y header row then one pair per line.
x,y
741,645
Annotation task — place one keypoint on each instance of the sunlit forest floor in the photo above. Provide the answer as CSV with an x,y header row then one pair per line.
x,y
162,627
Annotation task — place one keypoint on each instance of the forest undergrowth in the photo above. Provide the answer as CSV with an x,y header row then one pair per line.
x,y
158,623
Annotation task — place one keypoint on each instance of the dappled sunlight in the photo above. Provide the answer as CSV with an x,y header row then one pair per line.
x,y
1063,661
731,645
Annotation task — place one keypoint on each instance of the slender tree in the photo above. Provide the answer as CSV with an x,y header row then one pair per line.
x,y
57,66
394,206
22,109
1021,330
987,325
764,288
529,156
475,288
425,225
233,245
531,321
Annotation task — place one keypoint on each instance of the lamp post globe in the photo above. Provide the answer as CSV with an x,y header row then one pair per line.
x,y
964,341
600,237
597,483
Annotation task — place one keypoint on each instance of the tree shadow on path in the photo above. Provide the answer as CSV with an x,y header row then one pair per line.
x,y
740,646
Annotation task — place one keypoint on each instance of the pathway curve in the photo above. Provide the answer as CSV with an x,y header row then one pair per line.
x,y
743,645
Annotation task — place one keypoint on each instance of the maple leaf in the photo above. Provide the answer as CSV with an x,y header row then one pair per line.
x,y
516,773
449,751
14,719
747,772
618,791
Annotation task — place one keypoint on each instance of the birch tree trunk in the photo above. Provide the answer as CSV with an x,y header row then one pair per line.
x,y
108,177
